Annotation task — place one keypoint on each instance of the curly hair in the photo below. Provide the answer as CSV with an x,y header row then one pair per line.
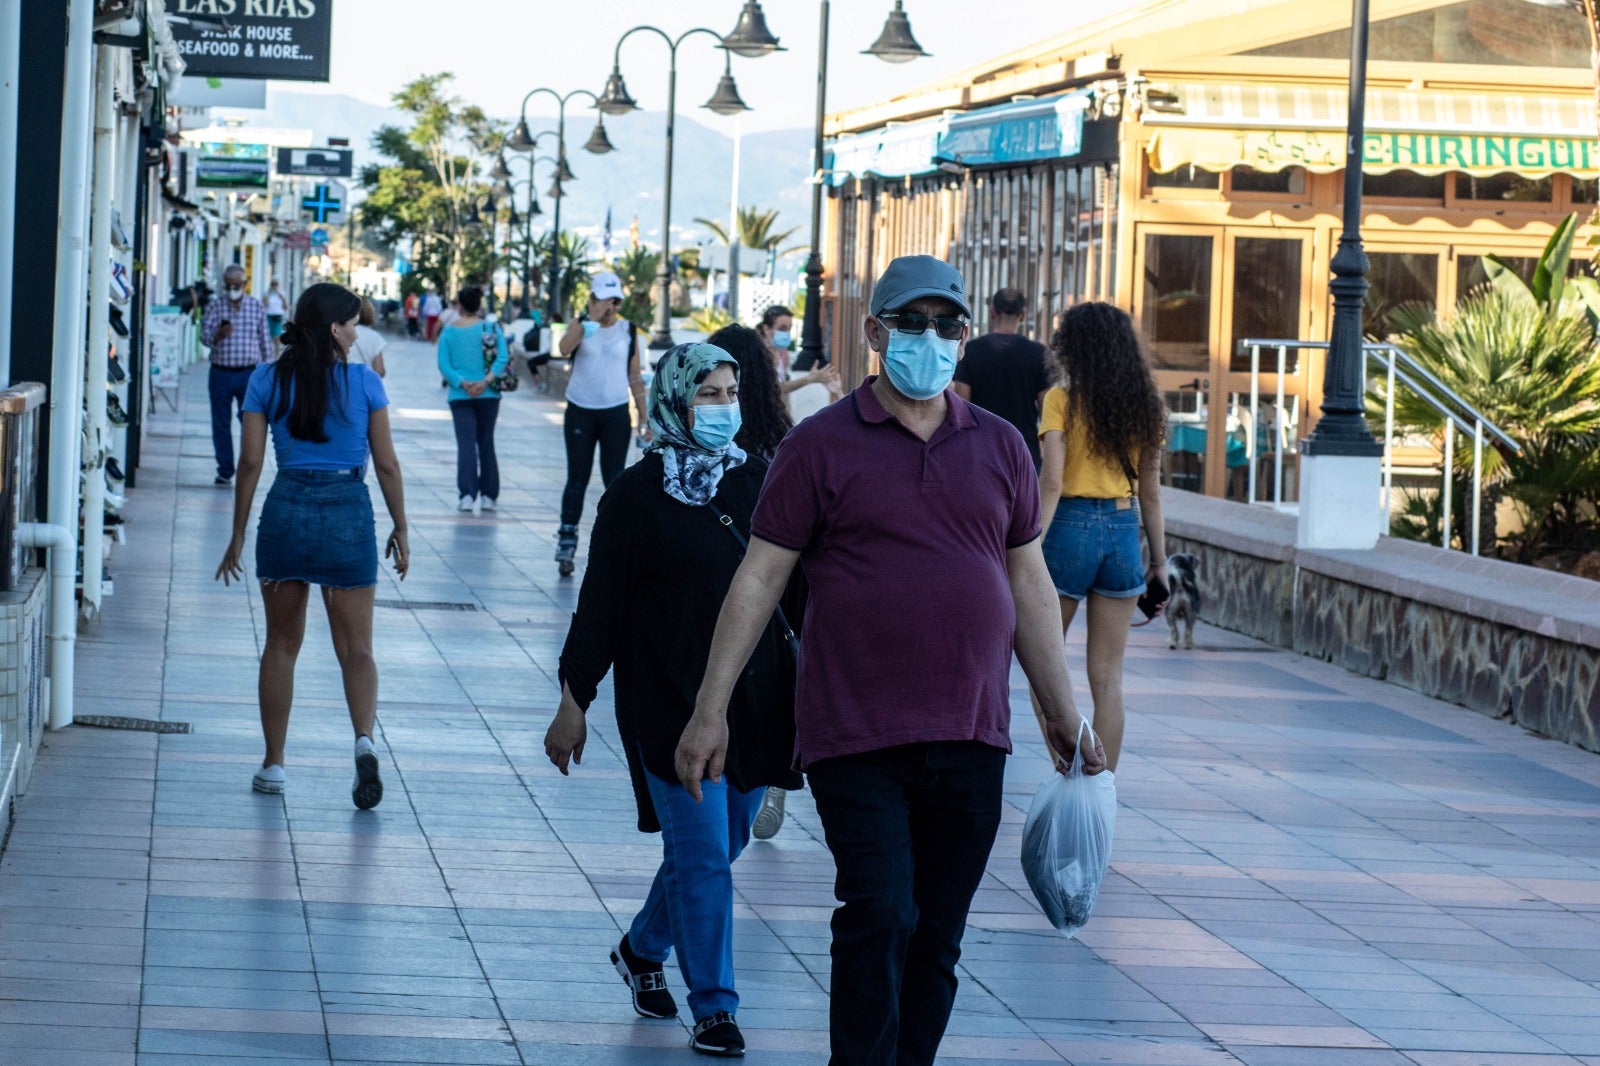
x,y
1101,361
761,405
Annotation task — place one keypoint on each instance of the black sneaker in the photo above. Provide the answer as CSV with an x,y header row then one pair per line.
x,y
220,480
368,789
650,996
718,1035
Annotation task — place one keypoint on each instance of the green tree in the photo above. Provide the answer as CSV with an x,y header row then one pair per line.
x,y
428,190
757,229
573,263
637,270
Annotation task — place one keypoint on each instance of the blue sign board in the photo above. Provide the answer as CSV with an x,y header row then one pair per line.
x,y
322,204
319,236
1016,133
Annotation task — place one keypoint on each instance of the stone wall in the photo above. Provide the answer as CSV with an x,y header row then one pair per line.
x,y
23,649
1505,640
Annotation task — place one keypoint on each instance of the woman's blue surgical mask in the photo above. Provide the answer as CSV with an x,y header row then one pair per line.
x,y
781,339
920,365
590,327
715,425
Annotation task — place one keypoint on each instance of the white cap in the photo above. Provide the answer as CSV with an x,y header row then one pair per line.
x,y
606,286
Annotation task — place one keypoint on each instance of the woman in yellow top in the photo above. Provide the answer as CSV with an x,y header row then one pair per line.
x,y
1100,440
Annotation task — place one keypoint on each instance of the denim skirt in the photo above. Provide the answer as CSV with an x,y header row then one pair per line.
x,y
317,527
1093,546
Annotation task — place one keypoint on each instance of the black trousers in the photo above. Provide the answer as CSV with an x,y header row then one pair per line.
x,y
585,428
910,829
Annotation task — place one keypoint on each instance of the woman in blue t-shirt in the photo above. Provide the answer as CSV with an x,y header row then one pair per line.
x,y
472,357
326,417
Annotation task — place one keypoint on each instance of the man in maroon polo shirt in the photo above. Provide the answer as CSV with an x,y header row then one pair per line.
x,y
916,517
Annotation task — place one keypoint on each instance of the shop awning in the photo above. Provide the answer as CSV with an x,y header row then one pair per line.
x,y
1018,132
1216,127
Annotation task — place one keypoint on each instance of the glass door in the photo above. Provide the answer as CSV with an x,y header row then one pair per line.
x,y
1176,308
1267,273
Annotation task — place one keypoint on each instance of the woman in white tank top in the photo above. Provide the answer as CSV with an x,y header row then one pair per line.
x,y
604,349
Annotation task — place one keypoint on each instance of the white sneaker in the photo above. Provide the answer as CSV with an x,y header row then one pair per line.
x,y
268,779
486,504
465,504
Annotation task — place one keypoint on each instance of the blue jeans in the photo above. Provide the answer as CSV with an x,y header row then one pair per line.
x,y
690,905
477,468
227,386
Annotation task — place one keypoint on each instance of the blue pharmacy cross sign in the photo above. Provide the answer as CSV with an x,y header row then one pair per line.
x,y
322,204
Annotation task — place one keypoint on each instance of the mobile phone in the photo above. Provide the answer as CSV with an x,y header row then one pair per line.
x,y
1155,597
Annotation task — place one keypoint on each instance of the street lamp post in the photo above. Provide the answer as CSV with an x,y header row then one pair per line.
x,y
614,100
1340,461
532,210
520,141
894,45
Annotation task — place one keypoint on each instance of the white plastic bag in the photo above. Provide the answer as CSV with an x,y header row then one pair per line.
x,y
1066,841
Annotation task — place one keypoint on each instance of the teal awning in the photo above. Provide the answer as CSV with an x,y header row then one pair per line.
x,y
1019,132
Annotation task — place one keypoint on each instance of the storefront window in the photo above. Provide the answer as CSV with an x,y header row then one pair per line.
x,y
1403,185
1188,177
1585,190
1176,308
1290,180
1470,272
1511,33
1512,187
1266,296
1393,279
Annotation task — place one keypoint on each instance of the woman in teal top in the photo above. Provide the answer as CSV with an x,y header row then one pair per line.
x,y
471,373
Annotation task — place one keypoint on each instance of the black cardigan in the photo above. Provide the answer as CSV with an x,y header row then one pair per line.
x,y
657,575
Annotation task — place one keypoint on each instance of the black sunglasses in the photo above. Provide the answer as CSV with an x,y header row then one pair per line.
x,y
947,326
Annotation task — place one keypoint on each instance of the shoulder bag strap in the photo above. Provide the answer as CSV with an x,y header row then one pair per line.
x,y
744,546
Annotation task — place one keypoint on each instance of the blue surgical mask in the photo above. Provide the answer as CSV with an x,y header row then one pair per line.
x,y
920,365
590,327
781,340
715,425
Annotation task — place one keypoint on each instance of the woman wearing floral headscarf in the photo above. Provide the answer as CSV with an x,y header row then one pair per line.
x,y
661,562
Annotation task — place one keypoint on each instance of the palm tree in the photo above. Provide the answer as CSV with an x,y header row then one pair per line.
x,y
1532,369
755,231
574,260
636,268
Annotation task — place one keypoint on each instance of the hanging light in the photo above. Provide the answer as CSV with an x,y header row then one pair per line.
x,y
472,217
895,44
564,172
515,219
534,208
554,192
489,206
501,188
726,101
751,38
520,141
500,170
598,142
614,100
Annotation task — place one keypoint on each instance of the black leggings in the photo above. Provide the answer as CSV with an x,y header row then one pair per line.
x,y
585,427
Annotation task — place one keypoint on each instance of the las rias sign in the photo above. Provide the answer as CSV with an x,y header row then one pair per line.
x,y
281,40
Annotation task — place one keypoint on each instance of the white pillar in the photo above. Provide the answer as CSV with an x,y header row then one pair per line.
x,y
1341,501
66,369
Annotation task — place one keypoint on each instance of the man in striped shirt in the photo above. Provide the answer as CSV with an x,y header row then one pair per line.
x,y
235,329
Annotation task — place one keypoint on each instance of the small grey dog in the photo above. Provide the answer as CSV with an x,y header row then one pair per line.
x,y
1184,604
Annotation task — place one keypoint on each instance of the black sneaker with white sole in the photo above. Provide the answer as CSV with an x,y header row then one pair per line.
x,y
649,985
718,1035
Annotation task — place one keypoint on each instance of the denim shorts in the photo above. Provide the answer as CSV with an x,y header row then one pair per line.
x,y
1092,546
317,527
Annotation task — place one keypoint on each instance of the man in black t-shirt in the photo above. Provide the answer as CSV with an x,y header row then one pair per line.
x,y
1005,372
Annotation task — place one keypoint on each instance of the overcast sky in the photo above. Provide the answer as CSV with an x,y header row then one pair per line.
x,y
499,49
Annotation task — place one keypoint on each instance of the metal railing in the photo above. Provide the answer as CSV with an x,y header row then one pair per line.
x,y
1399,368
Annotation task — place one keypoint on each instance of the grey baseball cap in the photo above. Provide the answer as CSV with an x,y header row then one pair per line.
x,y
912,276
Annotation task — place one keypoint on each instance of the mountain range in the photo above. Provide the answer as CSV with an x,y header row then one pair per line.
x,y
628,181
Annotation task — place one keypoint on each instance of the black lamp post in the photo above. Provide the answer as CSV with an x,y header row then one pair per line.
x,y
531,211
615,100
1342,429
894,45
521,141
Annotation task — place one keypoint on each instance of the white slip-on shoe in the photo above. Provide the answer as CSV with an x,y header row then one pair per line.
x,y
486,504
269,779
465,504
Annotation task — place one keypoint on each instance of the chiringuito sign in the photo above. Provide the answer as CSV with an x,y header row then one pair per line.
x,y
279,40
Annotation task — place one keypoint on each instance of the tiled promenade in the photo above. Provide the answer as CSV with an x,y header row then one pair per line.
x,y
1310,868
